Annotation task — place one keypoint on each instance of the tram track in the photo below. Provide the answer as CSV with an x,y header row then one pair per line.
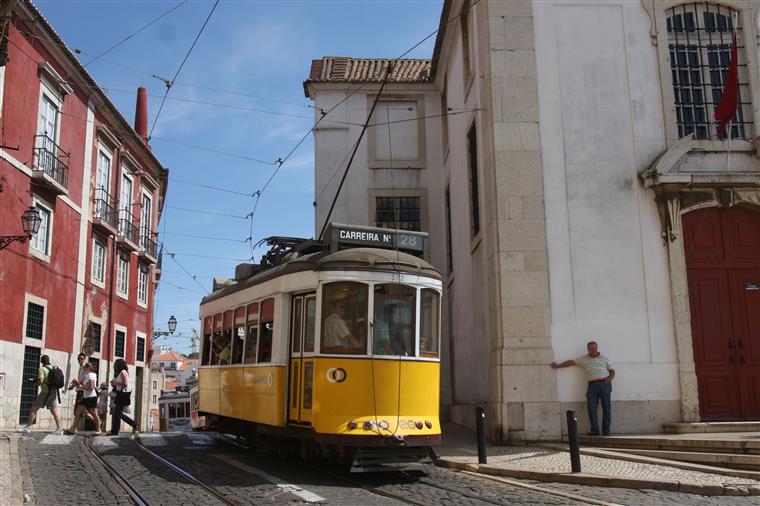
x,y
134,492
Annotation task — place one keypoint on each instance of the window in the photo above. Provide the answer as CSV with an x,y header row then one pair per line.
x,y
464,24
95,335
251,342
41,240
309,331
154,396
394,320
155,386
344,318
121,338
98,261
146,213
395,133
140,350
699,43
472,158
103,174
398,212
447,210
266,331
142,284
35,320
122,280
47,129
429,323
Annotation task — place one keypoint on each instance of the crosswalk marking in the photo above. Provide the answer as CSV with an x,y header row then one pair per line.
x,y
304,494
153,440
201,439
57,439
103,441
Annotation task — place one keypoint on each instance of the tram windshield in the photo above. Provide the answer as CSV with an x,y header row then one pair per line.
x,y
344,318
393,328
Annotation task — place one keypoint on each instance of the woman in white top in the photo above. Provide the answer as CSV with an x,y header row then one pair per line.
x,y
88,404
120,383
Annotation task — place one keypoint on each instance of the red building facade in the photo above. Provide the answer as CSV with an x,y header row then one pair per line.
x,y
86,280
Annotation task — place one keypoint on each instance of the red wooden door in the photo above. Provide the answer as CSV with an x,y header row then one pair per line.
x,y
723,264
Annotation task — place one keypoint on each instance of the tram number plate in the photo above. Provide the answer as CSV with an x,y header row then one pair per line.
x,y
409,241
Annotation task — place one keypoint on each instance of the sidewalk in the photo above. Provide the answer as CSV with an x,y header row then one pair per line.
x,y
547,463
10,471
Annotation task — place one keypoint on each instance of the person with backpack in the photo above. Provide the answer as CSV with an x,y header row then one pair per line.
x,y
122,399
50,379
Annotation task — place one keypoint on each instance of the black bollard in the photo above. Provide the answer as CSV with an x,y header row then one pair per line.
x,y
480,422
575,448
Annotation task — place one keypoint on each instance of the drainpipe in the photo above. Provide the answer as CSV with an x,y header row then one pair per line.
x,y
111,321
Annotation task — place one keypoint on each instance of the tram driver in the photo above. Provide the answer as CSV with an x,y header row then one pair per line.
x,y
336,333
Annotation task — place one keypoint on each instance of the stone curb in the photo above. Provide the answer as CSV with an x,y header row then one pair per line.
x,y
707,489
620,454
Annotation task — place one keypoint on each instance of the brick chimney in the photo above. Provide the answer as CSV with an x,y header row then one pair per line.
x,y
141,114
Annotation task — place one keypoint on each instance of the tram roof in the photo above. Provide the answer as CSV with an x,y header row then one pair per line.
x,y
352,259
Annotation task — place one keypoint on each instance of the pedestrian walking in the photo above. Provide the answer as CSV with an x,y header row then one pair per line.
x,y
599,373
49,379
87,406
122,400
78,382
103,401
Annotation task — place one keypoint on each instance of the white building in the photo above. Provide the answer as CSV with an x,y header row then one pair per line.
x,y
567,202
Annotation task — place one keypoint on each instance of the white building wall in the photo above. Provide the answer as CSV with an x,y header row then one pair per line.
x,y
601,124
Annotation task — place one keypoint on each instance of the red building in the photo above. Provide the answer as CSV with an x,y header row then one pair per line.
x,y
86,280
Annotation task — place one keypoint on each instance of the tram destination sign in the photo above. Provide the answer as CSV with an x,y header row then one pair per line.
x,y
376,238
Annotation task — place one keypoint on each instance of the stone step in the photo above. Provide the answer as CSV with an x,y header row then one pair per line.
x,y
731,460
737,443
702,427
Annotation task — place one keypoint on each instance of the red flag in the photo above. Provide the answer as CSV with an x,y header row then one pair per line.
x,y
729,100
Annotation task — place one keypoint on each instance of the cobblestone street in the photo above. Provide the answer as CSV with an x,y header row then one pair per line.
x,y
59,470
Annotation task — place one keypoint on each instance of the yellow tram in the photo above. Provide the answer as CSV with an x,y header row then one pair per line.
x,y
333,346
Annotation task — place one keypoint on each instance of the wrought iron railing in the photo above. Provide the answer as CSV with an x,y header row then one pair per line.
x,y
48,159
103,207
147,243
127,227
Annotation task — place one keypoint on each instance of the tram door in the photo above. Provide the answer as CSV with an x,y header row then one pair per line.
x,y
302,331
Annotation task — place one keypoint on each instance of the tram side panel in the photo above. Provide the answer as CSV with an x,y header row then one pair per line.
x,y
368,390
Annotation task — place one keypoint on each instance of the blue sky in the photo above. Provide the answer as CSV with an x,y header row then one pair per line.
x,y
251,48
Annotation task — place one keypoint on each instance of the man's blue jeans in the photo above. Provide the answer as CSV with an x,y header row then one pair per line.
x,y
596,391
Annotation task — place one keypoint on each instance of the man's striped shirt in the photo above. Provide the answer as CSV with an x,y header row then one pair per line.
x,y
595,368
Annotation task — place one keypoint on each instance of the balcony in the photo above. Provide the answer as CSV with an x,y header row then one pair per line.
x,y
127,233
149,248
48,168
104,214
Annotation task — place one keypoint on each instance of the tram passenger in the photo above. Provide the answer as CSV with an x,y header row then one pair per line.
x,y
337,333
382,333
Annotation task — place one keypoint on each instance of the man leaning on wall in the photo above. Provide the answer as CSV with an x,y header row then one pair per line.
x,y
599,374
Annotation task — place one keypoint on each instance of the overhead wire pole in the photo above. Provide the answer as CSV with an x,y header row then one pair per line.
x,y
356,147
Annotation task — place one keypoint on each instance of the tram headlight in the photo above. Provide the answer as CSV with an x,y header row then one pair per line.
x,y
367,425
428,424
418,424
352,425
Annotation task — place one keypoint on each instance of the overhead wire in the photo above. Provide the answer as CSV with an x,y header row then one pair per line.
x,y
210,187
204,211
125,39
176,74
206,237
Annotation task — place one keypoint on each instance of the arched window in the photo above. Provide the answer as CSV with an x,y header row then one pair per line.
x,y
699,43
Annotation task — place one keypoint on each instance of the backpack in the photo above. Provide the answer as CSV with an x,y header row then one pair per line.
x,y
55,379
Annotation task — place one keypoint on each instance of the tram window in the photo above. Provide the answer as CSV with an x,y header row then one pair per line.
x,y
429,318
344,318
296,325
206,349
265,346
394,322
238,345
311,310
250,343
225,347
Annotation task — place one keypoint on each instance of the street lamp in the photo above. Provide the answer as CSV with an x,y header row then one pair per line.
x,y
30,221
172,327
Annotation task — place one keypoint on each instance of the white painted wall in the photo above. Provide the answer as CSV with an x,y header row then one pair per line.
x,y
600,125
